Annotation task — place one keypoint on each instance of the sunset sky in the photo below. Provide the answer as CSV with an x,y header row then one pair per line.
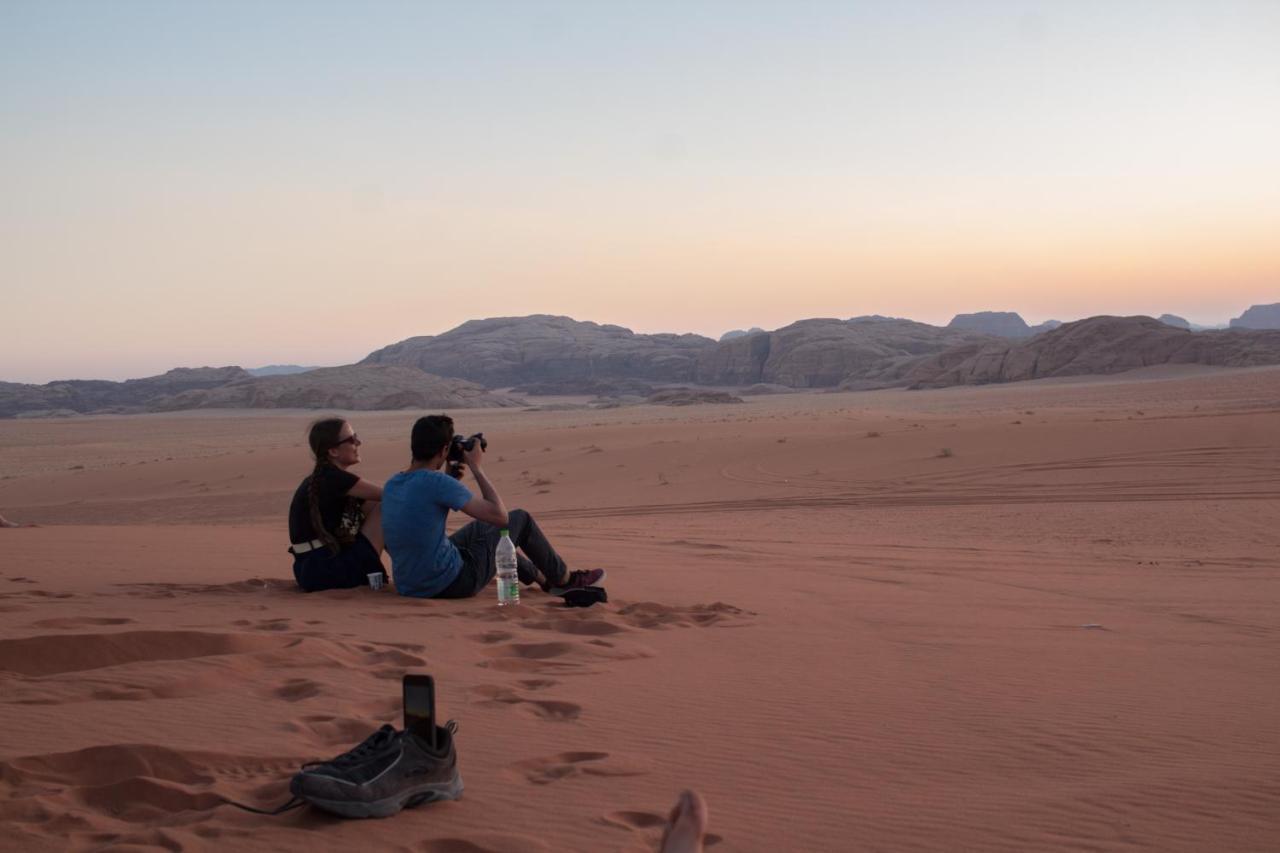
x,y
186,184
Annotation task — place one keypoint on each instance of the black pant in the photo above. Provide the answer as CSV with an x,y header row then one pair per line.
x,y
477,542
350,567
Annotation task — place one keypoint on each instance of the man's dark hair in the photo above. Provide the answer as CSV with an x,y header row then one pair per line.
x,y
430,435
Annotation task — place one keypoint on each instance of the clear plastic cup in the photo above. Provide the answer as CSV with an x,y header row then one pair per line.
x,y
375,580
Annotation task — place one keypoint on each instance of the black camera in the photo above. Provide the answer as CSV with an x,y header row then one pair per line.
x,y
456,447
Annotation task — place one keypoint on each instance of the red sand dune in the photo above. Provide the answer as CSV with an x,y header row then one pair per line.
x,y
1030,617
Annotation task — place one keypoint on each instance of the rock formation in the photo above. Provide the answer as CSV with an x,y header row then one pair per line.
x,y
352,388
690,397
1259,317
738,333
826,353
1175,321
506,351
94,395
1098,345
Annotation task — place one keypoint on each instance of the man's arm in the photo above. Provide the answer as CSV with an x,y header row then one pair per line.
x,y
489,507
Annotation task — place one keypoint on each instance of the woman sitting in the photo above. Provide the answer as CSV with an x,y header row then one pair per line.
x,y
335,519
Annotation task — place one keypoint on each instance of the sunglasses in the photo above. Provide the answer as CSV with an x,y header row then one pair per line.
x,y
351,439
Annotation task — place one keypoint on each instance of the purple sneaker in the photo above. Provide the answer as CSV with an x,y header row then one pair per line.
x,y
577,580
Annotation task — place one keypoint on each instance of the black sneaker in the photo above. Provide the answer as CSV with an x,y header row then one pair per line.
x,y
390,771
577,580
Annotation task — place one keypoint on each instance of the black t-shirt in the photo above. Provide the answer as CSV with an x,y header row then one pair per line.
x,y
342,514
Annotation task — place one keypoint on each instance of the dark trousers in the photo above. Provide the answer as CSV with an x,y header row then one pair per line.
x,y
351,567
477,542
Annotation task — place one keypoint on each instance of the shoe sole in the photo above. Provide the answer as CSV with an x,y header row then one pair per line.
x,y
561,590
421,795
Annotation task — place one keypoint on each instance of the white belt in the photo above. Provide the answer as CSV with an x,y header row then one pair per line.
x,y
304,547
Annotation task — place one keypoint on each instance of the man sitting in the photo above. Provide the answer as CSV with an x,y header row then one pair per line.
x,y
427,564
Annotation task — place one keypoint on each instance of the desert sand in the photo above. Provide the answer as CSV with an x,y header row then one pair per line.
x,y
1039,616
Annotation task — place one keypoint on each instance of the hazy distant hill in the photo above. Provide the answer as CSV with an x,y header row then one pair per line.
x,y
1004,324
1175,321
279,369
739,333
353,388
90,395
1098,345
1259,317
505,351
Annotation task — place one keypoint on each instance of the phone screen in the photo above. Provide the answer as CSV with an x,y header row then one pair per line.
x,y
420,706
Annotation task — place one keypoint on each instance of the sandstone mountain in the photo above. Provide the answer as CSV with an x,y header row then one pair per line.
x,y
1098,345
826,353
1259,317
739,333
355,387
506,351
1175,321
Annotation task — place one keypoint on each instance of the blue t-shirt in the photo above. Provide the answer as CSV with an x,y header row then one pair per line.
x,y
415,505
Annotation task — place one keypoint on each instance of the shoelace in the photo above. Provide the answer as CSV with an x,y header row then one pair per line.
x,y
369,747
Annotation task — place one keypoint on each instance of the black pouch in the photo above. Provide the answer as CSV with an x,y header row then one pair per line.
x,y
585,597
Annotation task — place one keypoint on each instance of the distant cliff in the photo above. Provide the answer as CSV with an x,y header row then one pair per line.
x,y
825,353
1096,346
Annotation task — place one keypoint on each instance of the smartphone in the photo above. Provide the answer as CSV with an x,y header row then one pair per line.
x,y
420,707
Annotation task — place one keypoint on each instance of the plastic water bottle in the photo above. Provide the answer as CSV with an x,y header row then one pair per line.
x,y
508,581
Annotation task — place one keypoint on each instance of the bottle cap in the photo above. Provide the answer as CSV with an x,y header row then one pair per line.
x,y
505,532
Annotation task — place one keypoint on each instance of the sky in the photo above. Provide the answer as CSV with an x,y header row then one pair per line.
x,y
188,184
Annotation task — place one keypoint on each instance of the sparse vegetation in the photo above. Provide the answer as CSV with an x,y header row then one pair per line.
x,y
945,453
873,434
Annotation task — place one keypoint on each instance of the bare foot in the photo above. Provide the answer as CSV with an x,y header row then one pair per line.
x,y
687,823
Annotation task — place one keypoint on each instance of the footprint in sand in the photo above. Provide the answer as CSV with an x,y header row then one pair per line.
x,y
556,657
552,768
485,843
330,731
577,627
135,783
297,689
649,824
491,637
80,622
537,683
492,695
57,653
652,615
